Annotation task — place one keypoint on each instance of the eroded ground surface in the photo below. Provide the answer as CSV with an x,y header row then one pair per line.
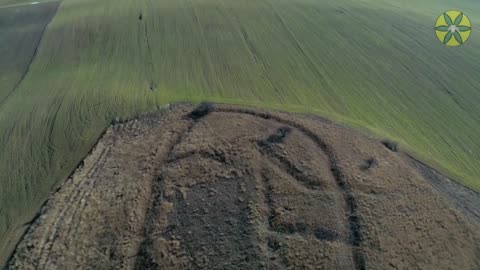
x,y
243,189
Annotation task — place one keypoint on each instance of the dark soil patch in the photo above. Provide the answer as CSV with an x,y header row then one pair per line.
x,y
325,234
217,226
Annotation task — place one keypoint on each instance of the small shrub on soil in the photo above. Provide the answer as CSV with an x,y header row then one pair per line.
x,y
202,110
152,86
273,244
369,163
280,135
393,146
116,120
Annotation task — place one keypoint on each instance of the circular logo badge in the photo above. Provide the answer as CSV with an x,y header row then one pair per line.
x,y
453,28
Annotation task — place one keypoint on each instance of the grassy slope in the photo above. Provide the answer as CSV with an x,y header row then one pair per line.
x,y
21,28
10,3
371,64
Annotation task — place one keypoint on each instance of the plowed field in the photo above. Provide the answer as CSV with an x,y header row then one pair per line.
x,y
230,188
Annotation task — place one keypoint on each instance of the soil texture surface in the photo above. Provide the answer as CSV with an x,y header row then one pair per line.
x,y
224,187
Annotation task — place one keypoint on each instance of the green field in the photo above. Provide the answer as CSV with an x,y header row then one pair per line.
x,y
21,28
375,65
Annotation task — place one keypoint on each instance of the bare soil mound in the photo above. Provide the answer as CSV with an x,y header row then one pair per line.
x,y
231,188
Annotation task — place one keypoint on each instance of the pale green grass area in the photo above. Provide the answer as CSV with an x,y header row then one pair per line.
x,y
20,31
375,65
20,3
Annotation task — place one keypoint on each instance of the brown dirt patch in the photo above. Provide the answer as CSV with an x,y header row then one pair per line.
x,y
241,189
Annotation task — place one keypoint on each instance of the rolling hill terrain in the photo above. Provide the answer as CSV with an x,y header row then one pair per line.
x,y
224,187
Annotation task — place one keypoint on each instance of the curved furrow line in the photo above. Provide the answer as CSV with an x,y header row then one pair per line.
x,y
144,259
83,200
71,194
289,168
80,189
340,179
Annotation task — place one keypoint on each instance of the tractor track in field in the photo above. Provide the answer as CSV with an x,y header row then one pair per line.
x,y
250,46
225,187
151,67
34,55
298,46
78,198
143,40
